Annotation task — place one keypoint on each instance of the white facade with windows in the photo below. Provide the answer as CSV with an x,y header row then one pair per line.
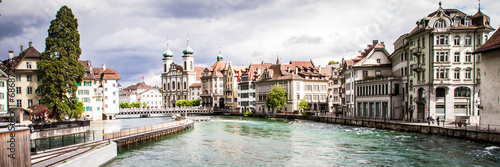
x,y
444,72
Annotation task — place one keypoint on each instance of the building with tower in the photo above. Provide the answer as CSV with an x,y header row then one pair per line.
x,y
176,79
212,80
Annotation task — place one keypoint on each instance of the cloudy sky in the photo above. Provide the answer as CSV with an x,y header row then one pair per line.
x,y
130,36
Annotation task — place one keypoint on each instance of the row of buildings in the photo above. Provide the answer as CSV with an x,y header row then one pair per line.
x,y
432,71
18,81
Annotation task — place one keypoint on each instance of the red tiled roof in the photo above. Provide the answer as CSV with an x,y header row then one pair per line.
x,y
199,71
195,85
140,85
492,44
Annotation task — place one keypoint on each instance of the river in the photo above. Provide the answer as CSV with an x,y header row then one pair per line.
x,y
238,141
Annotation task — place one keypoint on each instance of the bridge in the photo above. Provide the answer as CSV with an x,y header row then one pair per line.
x,y
147,112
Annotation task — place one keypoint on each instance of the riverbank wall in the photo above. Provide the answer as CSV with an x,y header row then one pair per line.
x,y
96,157
476,134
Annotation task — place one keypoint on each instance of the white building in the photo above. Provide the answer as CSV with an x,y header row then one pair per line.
x,y
142,93
107,82
246,86
212,81
3,91
444,72
490,83
88,93
177,78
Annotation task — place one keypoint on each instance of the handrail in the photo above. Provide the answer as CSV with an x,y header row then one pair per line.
x,y
128,132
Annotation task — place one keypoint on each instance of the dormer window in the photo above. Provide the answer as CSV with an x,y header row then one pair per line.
x,y
456,22
467,22
440,24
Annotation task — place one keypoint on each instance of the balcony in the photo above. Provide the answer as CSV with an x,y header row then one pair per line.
x,y
416,51
417,67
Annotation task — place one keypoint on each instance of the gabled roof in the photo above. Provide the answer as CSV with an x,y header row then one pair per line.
x,y
109,74
195,85
491,44
140,85
31,52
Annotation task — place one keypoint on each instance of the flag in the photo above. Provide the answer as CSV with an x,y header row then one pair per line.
x,y
142,77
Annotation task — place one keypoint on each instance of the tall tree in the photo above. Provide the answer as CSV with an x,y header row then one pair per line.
x,y
303,104
276,97
59,67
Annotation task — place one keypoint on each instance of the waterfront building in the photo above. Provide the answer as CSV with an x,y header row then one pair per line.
x,y
212,80
107,86
444,73
3,91
334,83
231,77
344,66
490,82
400,70
301,79
246,86
88,93
370,86
176,78
195,90
24,68
142,93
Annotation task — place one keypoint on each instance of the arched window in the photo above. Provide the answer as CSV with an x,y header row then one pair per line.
x,y
440,92
440,24
456,40
185,66
462,92
164,67
179,85
168,85
185,85
173,85
191,65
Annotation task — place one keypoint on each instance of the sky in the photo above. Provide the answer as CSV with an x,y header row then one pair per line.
x,y
130,36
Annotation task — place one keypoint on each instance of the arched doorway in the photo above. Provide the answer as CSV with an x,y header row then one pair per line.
x,y
441,102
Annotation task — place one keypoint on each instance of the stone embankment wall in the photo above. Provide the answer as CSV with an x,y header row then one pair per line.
x,y
480,135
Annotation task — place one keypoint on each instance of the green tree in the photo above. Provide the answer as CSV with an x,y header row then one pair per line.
x,y
59,67
125,105
333,62
136,104
303,104
144,105
78,111
195,102
276,97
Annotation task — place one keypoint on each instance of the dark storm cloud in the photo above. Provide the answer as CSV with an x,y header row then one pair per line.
x,y
13,26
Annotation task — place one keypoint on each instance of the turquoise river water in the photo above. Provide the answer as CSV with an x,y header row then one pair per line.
x,y
237,141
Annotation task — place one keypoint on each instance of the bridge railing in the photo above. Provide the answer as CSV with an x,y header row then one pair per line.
x,y
138,130
125,110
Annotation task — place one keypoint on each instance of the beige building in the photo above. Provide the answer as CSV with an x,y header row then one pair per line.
x,y
212,81
490,83
231,77
24,68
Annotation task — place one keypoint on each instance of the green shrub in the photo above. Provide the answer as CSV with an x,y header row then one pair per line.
x,y
248,114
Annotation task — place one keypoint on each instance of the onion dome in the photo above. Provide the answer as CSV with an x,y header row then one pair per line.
x,y
168,53
220,57
188,50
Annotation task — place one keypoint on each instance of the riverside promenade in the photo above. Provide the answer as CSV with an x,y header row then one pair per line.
x,y
104,151
451,129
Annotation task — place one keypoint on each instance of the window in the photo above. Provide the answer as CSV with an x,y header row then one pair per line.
x,y
29,90
19,103
185,85
29,78
468,57
462,92
468,40
456,22
2,84
378,61
441,73
457,74
38,78
457,57
378,72
18,90
442,40
440,24
467,22
28,65
18,77
467,74
442,56
30,102
365,73
456,40
2,95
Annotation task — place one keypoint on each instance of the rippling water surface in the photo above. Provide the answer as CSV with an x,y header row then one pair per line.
x,y
236,141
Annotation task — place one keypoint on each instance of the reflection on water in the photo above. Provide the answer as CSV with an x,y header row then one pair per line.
x,y
235,141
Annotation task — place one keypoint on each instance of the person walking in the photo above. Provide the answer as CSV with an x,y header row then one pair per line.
x,y
437,120
433,118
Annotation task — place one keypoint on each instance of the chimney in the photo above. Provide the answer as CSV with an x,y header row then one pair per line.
x,y
103,67
21,49
375,42
11,54
382,43
30,44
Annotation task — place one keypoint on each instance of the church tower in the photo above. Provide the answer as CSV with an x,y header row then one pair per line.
x,y
188,58
168,58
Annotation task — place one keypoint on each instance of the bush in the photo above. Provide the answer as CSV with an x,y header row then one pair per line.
x,y
248,114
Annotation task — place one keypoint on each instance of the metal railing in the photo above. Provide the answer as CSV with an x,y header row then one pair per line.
x,y
128,132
